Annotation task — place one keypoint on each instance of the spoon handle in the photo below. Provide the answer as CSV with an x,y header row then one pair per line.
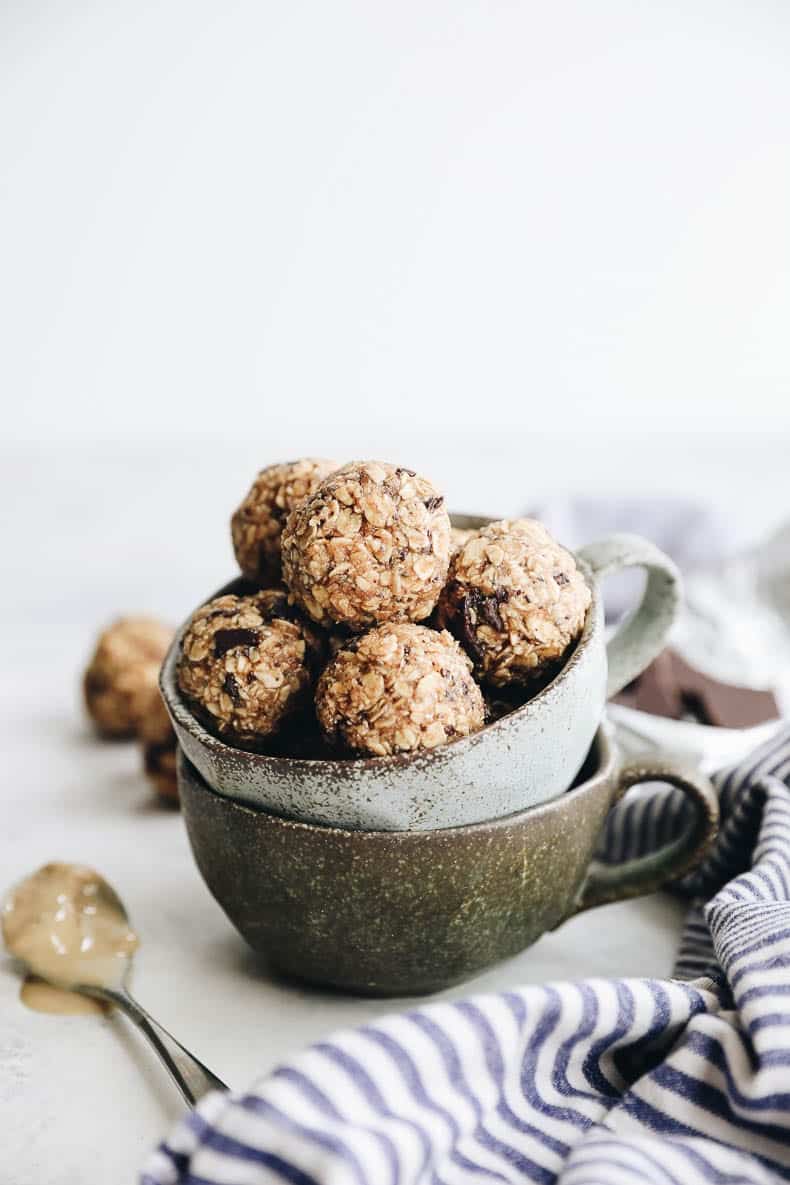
x,y
191,1077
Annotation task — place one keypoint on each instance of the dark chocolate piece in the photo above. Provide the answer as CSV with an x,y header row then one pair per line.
x,y
225,640
724,704
464,623
672,688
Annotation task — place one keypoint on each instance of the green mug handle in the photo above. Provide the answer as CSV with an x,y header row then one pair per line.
x,y
645,874
643,634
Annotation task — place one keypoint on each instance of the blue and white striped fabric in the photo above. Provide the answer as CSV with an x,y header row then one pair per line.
x,y
663,1082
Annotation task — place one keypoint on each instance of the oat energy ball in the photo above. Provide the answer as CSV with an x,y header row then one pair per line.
x,y
371,545
397,689
257,524
459,536
247,664
159,747
122,672
516,600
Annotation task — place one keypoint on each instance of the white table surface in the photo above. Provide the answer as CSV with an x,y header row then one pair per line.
x,y
81,1099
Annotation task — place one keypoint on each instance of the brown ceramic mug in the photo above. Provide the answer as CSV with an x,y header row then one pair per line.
x,y
401,912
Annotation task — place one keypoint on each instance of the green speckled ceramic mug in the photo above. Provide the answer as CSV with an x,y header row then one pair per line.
x,y
401,912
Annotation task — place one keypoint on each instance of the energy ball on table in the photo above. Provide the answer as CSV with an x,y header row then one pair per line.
x,y
257,524
247,664
371,545
516,600
122,671
397,689
159,747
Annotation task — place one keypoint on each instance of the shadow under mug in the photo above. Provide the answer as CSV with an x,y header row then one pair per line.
x,y
405,912
525,758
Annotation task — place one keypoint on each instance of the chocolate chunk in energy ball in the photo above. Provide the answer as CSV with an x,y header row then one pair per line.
x,y
123,670
370,545
257,524
515,600
248,664
159,747
397,689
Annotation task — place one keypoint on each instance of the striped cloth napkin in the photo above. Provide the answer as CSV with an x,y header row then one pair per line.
x,y
664,1082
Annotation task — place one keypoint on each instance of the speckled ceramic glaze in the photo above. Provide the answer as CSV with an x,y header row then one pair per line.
x,y
404,912
526,758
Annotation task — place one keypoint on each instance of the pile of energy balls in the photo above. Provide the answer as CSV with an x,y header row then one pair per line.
x,y
371,626
122,696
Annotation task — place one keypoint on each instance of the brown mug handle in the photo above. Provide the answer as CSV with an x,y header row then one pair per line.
x,y
633,878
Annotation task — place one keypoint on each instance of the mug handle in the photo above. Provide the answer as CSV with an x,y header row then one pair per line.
x,y
633,878
641,636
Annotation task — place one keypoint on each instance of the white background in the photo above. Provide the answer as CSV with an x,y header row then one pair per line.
x,y
220,219
528,248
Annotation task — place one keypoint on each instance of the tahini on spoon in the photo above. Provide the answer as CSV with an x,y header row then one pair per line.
x,y
69,927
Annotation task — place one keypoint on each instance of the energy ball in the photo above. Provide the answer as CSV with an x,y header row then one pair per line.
x,y
516,600
159,747
370,545
247,664
398,689
459,536
257,524
121,673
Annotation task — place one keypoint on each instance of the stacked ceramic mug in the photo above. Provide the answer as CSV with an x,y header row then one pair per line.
x,y
410,871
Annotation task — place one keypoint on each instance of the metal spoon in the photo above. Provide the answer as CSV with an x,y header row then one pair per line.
x,y
69,927
192,1078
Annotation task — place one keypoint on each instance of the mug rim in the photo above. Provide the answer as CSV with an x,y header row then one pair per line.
x,y
332,766
603,745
